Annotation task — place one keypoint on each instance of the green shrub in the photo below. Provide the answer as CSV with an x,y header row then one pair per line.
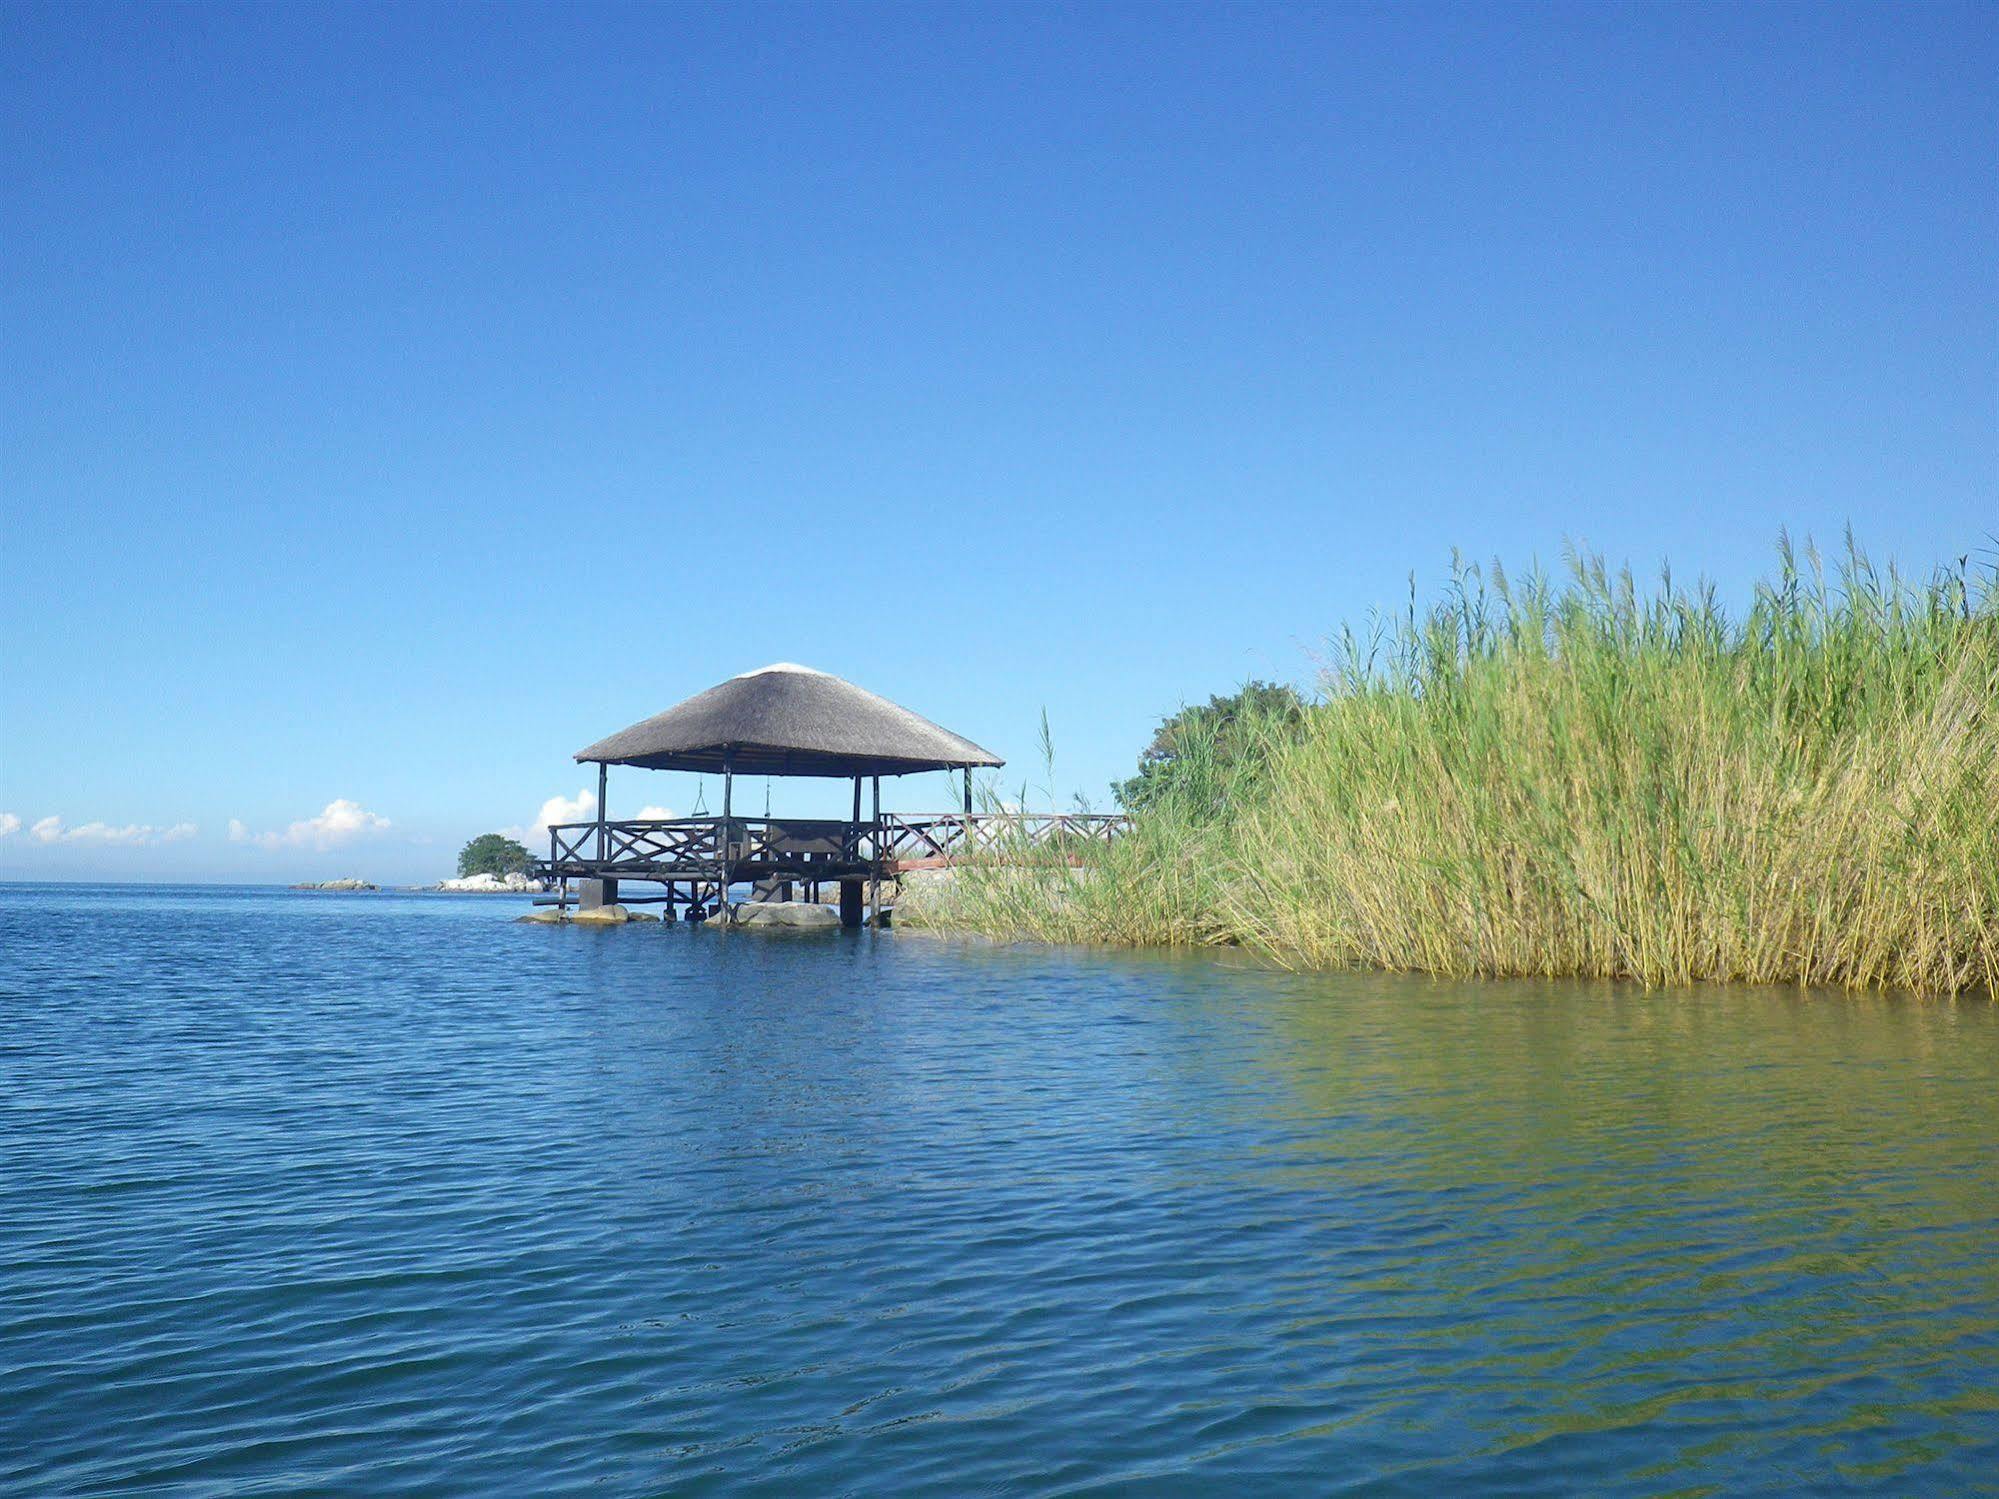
x,y
493,853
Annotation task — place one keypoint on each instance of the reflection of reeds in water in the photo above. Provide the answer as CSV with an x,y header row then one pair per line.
x,y
1580,778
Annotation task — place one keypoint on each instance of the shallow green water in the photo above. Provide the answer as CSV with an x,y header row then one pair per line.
x,y
387,1194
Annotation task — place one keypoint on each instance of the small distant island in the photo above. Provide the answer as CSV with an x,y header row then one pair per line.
x,y
494,864
492,884
491,864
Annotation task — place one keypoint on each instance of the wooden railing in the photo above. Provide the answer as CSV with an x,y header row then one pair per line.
x,y
682,842
939,838
687,845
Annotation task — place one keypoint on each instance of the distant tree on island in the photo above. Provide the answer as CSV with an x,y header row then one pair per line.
x,y
1197,754
493,853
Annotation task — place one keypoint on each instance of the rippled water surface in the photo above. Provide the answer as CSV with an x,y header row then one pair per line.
x,y
389,1194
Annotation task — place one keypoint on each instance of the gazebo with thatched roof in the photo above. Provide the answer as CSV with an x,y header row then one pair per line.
x,y
788,720
782,720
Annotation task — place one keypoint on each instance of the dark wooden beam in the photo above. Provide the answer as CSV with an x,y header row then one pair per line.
x,y
603,780
875,859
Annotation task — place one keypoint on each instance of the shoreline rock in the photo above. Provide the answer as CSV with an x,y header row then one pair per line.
x,y
797,916
490,884
597,916
338,885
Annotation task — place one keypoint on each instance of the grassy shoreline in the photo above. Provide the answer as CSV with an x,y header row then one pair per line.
x,y
1586,779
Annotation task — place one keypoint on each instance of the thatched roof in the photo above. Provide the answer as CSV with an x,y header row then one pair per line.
x,y
789,720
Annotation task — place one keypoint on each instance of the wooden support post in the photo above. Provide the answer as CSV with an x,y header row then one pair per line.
x,y
875,859
850,903
728,798
968,791
854,826
603,833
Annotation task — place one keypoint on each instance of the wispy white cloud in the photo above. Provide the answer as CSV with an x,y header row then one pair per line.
x,y
341,823
103,834
650,813
9,824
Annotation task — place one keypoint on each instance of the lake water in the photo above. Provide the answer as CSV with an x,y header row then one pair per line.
x,y
389,1194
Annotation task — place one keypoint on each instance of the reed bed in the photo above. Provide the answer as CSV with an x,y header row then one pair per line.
x,y
1580,777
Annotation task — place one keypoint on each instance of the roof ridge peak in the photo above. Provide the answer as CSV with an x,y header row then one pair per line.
x,y
810,671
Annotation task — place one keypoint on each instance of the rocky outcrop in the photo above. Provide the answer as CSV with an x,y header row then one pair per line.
x,y
917,893
338,885
792,916
493,884
597,916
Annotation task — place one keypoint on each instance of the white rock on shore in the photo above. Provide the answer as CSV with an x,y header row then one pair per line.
x,y
494,884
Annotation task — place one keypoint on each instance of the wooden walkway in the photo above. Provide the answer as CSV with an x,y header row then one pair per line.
x,y
698,858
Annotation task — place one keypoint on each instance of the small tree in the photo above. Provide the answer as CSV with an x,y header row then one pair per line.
x,y
493,853
1199,753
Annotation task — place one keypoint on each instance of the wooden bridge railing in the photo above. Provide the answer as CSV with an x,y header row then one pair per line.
x,y
932,839
637,847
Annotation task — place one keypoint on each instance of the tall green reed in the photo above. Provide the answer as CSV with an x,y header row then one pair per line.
x,y
1585,777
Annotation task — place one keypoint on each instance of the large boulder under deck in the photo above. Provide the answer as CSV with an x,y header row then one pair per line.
x,y
796,916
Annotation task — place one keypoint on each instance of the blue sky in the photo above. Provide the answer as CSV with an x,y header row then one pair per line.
x,y
397,399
